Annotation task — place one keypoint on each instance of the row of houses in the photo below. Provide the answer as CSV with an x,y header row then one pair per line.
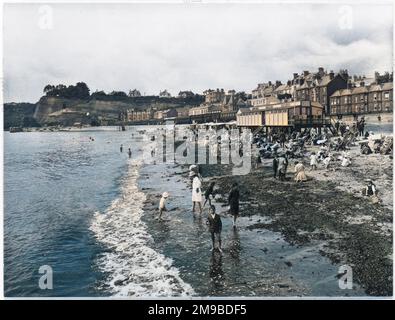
x,y
321,86
338,94
309,98
134,115
307,86
220,101
363,99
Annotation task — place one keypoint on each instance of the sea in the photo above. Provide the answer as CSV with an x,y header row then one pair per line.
x,y
74,203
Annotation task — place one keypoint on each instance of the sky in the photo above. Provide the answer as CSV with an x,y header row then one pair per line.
x,y
189,46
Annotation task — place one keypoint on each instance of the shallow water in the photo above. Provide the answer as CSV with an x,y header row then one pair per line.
x,y
254,263
72,203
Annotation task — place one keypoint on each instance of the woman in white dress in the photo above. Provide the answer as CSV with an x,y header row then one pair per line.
x,y
197,193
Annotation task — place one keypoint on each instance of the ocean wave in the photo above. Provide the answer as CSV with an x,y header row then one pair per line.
x,y
132,267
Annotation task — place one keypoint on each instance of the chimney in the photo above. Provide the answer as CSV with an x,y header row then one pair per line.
x,y
305,73
289,82
331,74
349,84
270,83
321,71
278,83
362,83
295,75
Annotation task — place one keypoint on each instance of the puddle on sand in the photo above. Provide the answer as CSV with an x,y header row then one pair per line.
x,y
255,262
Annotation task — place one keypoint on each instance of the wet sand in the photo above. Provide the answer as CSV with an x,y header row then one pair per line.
x,y
273,252
327,211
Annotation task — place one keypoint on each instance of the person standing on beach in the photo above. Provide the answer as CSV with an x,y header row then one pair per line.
x,y
282,168
337,125
215,227
209,192
130,153
327,161
300,175
121,148
275,166
233,200
362,127
162,204
313,161
196,192
258,161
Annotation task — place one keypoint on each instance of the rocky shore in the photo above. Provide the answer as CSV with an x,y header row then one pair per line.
x,y
327,210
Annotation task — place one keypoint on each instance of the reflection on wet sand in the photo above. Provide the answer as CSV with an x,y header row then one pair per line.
x,y
216,271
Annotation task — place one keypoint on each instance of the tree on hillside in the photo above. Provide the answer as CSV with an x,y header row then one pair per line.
x,y
98,94
79,91
48,88
82,90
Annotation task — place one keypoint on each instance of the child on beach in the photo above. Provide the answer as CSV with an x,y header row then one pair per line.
x,y
209,193
162,204
313,161
215,227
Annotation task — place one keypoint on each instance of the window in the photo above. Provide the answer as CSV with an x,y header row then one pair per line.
x,y
386,95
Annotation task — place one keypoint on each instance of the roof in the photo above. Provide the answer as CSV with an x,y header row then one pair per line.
x,y
359,90
375,87
281,87
325,80
388,86
337,93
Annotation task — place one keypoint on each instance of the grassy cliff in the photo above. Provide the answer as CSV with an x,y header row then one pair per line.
x,y
67,111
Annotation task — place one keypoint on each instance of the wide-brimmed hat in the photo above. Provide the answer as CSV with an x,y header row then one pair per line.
x,y
193,167
165,194
192,174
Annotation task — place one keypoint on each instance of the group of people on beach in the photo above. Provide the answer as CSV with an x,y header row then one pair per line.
x,y
214,221
331,147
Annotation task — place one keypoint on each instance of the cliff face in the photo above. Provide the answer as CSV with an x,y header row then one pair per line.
x,y
63,111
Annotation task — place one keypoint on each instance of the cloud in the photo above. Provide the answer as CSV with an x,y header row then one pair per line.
x,y
186,47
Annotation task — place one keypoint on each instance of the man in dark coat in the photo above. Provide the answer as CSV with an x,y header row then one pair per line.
x,y
233,201
215,227
275,166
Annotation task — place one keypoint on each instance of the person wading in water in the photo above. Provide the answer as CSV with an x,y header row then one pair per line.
x,y
233,200
196,192
209,192
162,204
130,153
215,227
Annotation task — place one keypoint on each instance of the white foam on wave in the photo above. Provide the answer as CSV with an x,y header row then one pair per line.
x,y
133,267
